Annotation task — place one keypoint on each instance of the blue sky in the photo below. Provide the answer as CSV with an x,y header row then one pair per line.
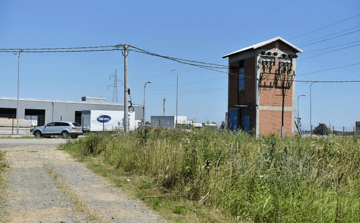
x,y
195,30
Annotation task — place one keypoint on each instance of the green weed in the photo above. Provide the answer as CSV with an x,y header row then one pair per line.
x,y
232,177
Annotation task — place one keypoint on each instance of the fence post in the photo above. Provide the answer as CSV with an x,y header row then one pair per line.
x,y
343,131
12,127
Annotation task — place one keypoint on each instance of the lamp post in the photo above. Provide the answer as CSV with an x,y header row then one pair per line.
x,y
298,104
149,82
177,93
18,87
310,109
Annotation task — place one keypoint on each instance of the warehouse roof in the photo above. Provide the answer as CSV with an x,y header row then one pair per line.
x,y
61,101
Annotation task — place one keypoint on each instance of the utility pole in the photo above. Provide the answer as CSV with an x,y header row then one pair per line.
x,y
164,99
17,102
126,89
282,109
177,93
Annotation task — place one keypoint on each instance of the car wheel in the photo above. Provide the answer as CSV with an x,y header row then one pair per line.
x,y
65,135
37,134
74,136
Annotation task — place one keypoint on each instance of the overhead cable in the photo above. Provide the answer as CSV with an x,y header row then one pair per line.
x,y
320,41
325,27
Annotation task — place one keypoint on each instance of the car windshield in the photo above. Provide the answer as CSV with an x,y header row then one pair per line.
x,y
76,124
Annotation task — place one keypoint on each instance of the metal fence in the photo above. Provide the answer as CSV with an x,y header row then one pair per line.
x,y
9,123
331,129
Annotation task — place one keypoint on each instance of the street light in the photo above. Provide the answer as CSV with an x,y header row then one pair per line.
x,y
18,86
149,82
298,104
177,92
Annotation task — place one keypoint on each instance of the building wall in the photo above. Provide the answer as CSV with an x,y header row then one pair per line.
x,y
270,122
248,95
270,92
63,110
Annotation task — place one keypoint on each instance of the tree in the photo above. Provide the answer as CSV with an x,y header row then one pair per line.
x,y
321,129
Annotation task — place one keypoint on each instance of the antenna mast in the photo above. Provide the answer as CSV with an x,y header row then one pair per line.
x,y
115,87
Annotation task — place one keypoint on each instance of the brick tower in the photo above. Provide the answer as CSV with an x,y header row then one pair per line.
x,y
261,88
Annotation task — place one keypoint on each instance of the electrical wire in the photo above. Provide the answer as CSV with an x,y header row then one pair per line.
x,y
352,81
321,54
322,49
55,51
325,26
61,48
332,34
334,68
204,65
320,41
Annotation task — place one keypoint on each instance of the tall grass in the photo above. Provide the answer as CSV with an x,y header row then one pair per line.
x,y
255,180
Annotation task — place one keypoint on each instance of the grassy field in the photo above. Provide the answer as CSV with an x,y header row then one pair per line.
x,y
208,175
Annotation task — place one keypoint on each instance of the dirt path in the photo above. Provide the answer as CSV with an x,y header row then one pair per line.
x,y
47,185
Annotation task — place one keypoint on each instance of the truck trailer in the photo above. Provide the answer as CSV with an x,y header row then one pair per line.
x,y
102,120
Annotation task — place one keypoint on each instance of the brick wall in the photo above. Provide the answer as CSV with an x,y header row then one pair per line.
x,y
285,47
270,122
271,91
247,96
270,94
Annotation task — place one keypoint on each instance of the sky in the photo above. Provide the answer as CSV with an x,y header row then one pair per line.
x,y
195,30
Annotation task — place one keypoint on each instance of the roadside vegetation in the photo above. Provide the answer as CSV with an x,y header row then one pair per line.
x,y
3,168
209,175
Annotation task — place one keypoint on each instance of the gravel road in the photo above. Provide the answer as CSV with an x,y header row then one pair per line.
x,y
47,185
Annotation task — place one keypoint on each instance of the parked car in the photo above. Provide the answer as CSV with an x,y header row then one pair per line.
x,y
62,128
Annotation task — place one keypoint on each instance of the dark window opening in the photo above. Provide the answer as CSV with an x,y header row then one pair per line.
x,y
7,112
78,116
241,75
36,115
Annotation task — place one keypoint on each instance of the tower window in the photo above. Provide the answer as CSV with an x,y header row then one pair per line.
x,y
241,75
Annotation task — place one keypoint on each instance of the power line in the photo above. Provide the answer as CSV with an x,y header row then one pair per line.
x,y
55,51
332,34
322,49
320,54
353,81
301,81
334,68
320,41
60,48
324,27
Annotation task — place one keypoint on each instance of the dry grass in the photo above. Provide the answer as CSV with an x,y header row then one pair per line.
x,y
3,170
79,205
213,176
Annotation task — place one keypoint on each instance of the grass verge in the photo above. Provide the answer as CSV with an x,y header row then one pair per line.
x,y
3,169
218,176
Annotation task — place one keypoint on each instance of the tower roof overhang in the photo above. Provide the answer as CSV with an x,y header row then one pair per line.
x,y
259,45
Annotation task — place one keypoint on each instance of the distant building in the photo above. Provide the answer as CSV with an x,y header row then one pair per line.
x,y
261,86
44,111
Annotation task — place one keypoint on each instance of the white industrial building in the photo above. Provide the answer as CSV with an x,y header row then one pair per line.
x,y
40,111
